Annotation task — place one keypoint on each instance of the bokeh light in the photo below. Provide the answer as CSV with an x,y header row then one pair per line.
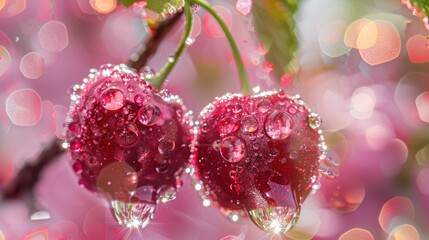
x,y
418,49
24,107
53,36
386,47
5,60
404,232
422,103
331,39
362,103
244,6
32,65
10,8
422,181
103,6
422,156
396,211
356,234
42,234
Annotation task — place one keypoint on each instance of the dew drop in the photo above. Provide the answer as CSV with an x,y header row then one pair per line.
x,y
205,127
132,215
131,88
227,125
233,215
75,145
237,108
275,219
329,172
314,121
264,105
293,155
149,115
139,99
256,146
163,166
249,124
112,99
126,135
165,146
292,109
274,152
77,167
278,125
232,149
169,195
216,145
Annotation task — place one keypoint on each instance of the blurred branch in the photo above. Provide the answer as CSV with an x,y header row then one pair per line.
x,y
28,176
23,183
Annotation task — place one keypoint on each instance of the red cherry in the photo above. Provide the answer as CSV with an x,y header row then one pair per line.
x,y
259,154
127,141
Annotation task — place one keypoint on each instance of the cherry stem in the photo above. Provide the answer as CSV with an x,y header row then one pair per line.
x,y
159,78
244,80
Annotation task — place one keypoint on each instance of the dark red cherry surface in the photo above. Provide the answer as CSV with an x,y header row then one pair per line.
x,y
255,153
127,141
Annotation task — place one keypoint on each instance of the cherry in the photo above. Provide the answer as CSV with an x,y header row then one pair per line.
x,y
260,154
127,141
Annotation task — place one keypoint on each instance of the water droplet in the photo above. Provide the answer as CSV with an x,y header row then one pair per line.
x,y
264,105
278,125
166,146
112,99
274,152
132,215
163,166
329,172
127,134
216,145
232,149
227,125
149,115
189,41
314,121
139,99
293,155
275,219
171,59
77,167
256,146
237,108
131,88
292,109
249,124
205,127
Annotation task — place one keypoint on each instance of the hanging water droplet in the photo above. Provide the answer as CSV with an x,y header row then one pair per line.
x,y
189,41
112,99
264,105
132,215
171,59
249,124
232,149
149,115
314,121
166,146
127,134
227,125
275,219
278,125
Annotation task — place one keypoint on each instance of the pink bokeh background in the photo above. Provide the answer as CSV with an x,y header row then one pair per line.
x,y
372,93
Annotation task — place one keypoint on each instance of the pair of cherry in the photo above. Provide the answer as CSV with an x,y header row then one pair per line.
x,y
131,143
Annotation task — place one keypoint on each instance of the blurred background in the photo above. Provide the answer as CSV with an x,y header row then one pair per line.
x,y
364,67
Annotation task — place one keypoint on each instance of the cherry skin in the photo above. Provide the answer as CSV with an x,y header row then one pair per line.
x,y
127,141
260,154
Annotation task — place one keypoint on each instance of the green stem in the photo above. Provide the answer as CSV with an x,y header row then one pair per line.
x,y
158,79
245,86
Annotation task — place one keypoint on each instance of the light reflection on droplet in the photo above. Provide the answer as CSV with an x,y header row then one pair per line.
x,y
356,233
404,232
418,49
32,65
24,107
386,48
103,6
422,103
53,36
396,211
5,60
